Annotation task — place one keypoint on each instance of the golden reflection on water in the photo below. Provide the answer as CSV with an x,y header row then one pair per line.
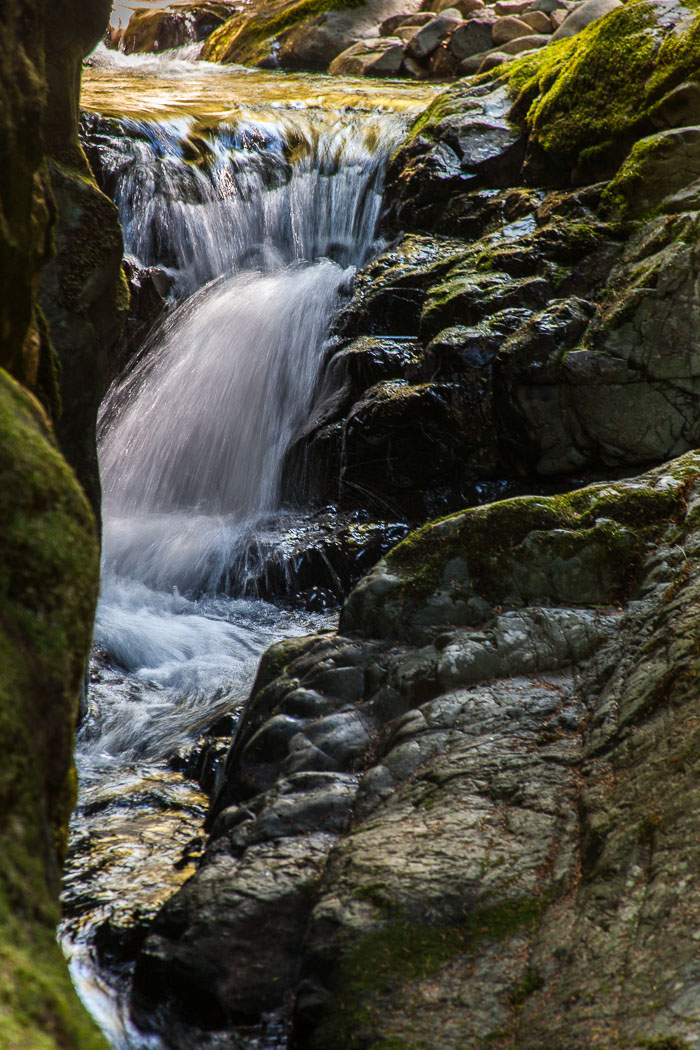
x,y
149,89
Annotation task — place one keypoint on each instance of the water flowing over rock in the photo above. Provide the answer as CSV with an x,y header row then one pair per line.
x,y
450,821
259,223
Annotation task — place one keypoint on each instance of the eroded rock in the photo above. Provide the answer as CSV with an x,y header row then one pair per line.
x,y
493,736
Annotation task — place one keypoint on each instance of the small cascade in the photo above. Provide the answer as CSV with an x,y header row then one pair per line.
x,y
268,222
260,210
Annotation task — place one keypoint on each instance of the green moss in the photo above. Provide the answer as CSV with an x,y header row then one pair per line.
x,y
248,41
613,523
275,659
387,961
665,1043
584,99
529,983
48,588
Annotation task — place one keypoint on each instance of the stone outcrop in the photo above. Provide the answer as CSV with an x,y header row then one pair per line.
x,y
523,328
439,42
466,819
62,289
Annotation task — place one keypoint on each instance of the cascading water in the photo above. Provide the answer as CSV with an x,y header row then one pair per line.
x,y
260,217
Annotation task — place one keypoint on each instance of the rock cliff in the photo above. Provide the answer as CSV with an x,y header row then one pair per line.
x,y
468,818
60,312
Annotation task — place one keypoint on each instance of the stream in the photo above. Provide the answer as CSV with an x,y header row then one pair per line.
x,y
258,194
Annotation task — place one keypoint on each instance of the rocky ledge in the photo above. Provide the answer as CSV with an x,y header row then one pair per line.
x,y
61,312
468,818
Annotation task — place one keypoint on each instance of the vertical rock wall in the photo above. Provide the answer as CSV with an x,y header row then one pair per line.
x,y
59,234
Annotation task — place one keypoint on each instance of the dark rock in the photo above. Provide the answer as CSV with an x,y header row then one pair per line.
x,y
149,289
373,58
162,30
679,108
474,36
428,37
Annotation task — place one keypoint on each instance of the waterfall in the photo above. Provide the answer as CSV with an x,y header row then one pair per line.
x,y
260,213
268,222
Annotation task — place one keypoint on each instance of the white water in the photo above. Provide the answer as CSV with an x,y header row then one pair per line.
x,y
261,220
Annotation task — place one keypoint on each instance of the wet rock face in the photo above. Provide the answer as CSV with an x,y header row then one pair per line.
x,y
456,813
479,795
83,293
48,540
520,327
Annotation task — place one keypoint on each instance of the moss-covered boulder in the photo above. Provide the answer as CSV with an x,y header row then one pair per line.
x,y
575,107
48,534
48,587
170,27
299,34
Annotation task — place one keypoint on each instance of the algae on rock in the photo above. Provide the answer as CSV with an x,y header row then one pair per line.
x,y
48,534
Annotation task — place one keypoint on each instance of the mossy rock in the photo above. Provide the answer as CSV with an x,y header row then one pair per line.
x,y
48,589
379,968
582,101
585,100
584,547
249,40
657,166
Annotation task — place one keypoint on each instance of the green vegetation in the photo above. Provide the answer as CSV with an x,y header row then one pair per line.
x,y
275,659
586,98
604,529
48,588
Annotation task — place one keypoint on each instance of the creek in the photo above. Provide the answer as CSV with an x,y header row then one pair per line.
x,y
258,195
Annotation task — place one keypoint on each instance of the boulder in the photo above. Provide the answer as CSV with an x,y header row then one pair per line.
x,y
492,60
428,37
472,37
390,25
443,64
499,695
538,21
406,33
471,65
257,37
414,68
465,7
582,16
372,58
161,30
314,45
657,166
524,43
512,7
679,107
509,28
